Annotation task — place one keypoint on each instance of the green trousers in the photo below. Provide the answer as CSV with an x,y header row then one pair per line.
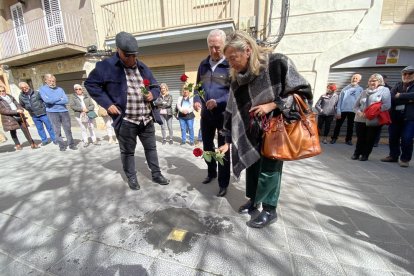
x,y
263,181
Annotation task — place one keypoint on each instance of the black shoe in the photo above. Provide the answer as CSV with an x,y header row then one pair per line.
x,y
164,142
333,141
62,149
222,192
375,145
182,143
248,207
191,144
349,143
161,180
73,147
263,219
133,183
170,142
363,158
355,156
208,179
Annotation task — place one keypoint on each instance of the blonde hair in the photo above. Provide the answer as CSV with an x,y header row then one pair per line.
x,y
240,41
166,87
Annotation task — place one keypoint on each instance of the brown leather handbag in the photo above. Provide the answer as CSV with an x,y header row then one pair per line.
x,y
295,140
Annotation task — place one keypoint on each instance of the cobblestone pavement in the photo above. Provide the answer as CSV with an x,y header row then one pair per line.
x,y
71,213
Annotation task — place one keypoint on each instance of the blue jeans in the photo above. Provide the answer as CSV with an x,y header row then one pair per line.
x,y
39,122
58,120
184,125
401,135
127,137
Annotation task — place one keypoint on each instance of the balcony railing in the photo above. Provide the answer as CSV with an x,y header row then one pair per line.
x,y
53,29
137,16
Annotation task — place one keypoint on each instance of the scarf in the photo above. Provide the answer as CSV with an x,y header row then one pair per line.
x,y
276,80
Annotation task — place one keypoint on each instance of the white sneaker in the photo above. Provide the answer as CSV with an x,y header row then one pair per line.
x,y
404,164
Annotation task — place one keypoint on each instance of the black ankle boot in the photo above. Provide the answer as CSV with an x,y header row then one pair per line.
x,y
264,218
248,207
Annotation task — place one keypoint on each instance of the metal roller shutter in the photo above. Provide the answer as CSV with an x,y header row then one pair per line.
x,y
171,76
342,77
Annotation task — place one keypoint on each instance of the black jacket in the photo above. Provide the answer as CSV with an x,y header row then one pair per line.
x,y
33,103
406,98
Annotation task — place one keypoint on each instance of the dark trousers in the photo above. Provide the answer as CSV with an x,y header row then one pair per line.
x,y
209,128
58,120
324,121
13,134
350,125
401,134
263,181
365,138
127,137
39,122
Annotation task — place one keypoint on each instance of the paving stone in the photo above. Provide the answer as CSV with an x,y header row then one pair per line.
x,y
300,219
399,258
18,268
310,266
162,267
393,214
358,271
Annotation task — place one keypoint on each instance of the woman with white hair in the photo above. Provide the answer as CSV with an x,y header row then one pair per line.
x,y
83,107
367,130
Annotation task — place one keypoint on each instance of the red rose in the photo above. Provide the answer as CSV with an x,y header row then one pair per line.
x,y
197,152
183,78
146,82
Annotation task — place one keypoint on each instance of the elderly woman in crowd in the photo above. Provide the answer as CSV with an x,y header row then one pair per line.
x,y
11,112
164,103
83,107
260,81
367,130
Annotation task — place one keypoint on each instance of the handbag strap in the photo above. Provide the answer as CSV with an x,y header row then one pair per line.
x,y
302,108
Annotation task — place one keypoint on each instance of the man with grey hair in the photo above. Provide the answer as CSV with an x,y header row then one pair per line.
x,y
31,100
56,100
213,73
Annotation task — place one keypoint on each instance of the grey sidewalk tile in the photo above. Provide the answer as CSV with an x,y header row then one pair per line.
x,y
375,199
397,257
300,219
309,243
294,201
355,252
355,206
272,237
4,260
262,261
393,214
309,266
52,250
126,263
206,203
363,271
84,260
400,196
17,268
163,267
137,242
374,227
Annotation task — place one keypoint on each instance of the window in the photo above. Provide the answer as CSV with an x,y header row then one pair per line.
x,y
20,28
53,21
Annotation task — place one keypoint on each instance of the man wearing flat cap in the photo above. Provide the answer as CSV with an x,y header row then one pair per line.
x,y
401,130
120,85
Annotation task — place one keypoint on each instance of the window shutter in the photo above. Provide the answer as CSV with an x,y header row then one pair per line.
x,y
20,28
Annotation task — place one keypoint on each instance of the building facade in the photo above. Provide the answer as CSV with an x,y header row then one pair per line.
x,y
327,40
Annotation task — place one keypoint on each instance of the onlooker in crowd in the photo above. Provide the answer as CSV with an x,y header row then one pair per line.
x,y
213,73
345,109
401,130
366,130
11,120
378,137
56,100
186,115
128,105
259,80
82,105
326,107
108,125
33,103
164,103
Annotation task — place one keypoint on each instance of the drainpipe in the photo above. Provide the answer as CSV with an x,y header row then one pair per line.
x,y
94,21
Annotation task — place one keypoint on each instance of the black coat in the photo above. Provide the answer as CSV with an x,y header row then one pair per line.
x,y
33,103
406,98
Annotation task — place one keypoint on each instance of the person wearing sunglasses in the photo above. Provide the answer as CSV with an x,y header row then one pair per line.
x,y
11,118
126,87
401,130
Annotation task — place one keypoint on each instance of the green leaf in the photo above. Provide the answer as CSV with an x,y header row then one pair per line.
x,y
207,156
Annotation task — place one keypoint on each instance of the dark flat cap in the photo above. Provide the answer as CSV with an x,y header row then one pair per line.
x,y
408,69
126,42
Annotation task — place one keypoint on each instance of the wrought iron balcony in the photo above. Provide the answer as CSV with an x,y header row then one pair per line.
x,y
34,37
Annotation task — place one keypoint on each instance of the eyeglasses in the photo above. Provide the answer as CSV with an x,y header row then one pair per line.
x,y
408,73
78,88
2,90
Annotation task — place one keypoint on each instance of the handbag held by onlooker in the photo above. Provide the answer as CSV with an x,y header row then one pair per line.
x,y
295,140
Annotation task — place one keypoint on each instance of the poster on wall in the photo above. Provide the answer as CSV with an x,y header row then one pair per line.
x,y
393,55
381,57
